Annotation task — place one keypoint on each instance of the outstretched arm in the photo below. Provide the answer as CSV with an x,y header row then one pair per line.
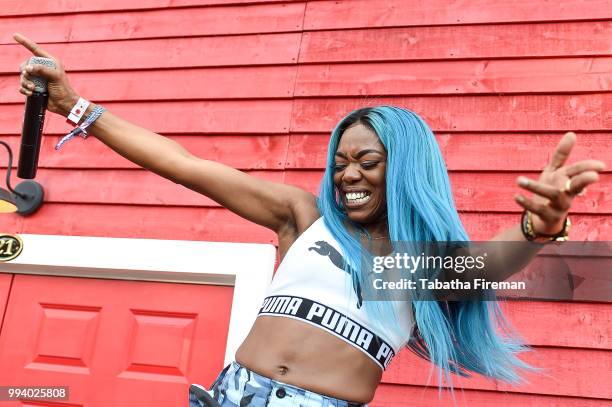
x,y
266,203
553,194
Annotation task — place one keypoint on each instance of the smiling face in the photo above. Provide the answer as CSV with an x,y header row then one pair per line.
x,y
359,176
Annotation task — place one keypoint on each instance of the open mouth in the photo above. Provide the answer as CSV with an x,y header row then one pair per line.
x,y
355,199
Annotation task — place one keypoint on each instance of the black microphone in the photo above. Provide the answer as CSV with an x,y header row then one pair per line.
x,y
33,121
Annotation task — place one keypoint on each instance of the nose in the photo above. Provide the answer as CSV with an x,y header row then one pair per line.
x,y
351,174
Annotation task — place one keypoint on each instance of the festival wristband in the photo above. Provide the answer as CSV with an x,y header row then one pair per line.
x,y
77,111
82,129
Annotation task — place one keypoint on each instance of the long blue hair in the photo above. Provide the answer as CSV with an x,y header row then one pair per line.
x,y
457,336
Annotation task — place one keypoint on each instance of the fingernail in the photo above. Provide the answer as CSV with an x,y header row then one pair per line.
x,y
519,198
522,181
29,68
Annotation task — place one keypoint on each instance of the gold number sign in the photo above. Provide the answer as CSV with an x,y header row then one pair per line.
x,y
10,247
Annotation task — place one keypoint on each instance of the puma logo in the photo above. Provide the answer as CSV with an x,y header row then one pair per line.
x,y
325,249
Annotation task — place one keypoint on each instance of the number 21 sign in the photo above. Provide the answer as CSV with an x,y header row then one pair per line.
x,y
10,247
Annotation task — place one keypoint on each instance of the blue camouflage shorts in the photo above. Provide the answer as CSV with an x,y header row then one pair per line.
x,y
238,386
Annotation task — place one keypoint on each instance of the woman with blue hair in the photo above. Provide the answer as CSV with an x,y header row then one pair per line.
x,y
319,339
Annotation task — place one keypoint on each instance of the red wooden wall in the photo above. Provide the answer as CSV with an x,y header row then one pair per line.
x,y
259,85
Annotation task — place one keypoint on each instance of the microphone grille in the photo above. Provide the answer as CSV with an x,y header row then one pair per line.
x,y
40,84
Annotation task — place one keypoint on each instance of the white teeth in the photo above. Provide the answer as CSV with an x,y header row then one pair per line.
x,y
357,197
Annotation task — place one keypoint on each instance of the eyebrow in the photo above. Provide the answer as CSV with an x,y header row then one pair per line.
x,y
360,154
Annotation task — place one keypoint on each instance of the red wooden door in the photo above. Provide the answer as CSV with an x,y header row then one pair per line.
x,y
114,343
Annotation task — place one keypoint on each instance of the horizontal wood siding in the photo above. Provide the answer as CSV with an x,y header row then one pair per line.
x,y
259,84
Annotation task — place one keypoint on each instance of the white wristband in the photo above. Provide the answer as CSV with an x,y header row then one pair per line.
x,y
78,110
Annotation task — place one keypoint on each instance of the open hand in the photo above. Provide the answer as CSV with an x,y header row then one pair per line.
x,y
557,186
61,95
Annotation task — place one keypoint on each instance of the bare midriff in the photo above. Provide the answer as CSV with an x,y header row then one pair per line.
x,y
296,353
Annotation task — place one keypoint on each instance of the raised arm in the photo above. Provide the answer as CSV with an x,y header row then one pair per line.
x,y
270,204
553,194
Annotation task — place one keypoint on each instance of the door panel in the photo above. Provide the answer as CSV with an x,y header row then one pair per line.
x,y
113,342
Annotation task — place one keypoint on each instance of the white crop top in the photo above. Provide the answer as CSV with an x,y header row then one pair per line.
x,y
311,286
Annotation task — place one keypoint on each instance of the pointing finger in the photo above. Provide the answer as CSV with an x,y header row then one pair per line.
x,y
33,47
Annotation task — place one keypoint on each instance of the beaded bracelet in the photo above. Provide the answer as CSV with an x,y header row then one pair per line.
x,y
82,129
531,235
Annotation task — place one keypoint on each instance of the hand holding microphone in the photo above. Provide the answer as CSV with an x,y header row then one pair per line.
x,y
61,95
44,82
